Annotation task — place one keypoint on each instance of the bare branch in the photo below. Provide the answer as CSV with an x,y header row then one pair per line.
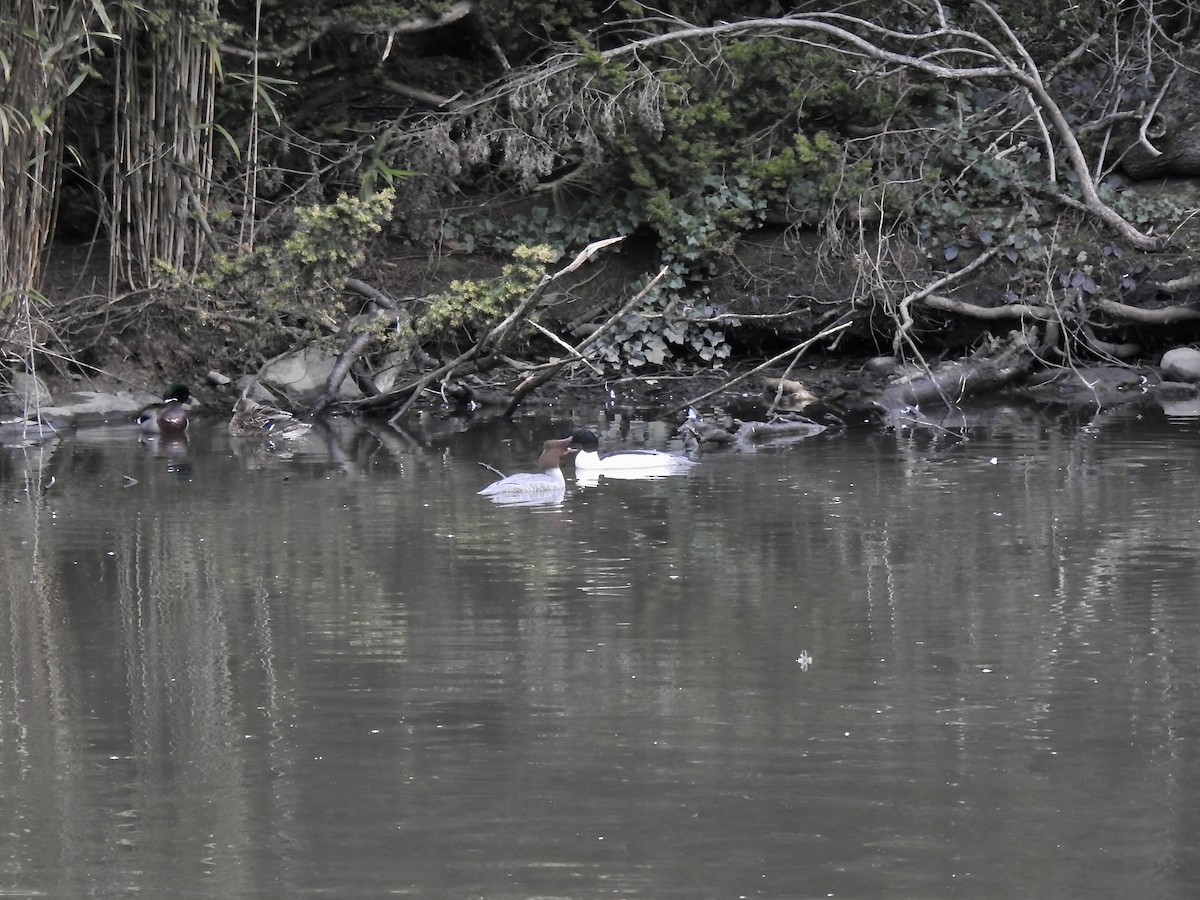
x,y
1143,139
542,376
493,339
1166,315
904,319
988,313
797,351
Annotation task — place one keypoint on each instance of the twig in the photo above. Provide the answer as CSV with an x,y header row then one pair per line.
x,y
904,317
554,337
798,349
497,336
533,381
1149,117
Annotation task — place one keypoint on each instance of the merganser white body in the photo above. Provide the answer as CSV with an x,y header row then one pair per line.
x,y
627,463
548,482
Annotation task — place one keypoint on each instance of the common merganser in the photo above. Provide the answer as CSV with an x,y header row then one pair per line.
x,y
627,463
549,481
169,416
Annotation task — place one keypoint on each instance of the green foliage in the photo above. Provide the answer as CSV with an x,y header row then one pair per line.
x,y
562,225
751,135
471,307
669,328
300,280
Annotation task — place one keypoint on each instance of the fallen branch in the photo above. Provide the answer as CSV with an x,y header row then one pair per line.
x,y
341,368
956,380
386,308
1183,283
752,433
797,350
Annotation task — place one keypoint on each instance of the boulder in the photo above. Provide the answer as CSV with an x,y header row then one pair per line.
x,y
1181,364
302,375
81,407
24,395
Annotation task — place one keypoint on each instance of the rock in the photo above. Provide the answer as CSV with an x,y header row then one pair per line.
x,y
93,406
882,365
302,375
216,379
395,368
1181,364
1180,408
249,386
25,395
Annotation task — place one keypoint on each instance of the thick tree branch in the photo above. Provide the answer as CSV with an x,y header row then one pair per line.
x,y
1166,315
988,313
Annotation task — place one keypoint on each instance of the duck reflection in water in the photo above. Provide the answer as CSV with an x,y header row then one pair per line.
x,y
174,449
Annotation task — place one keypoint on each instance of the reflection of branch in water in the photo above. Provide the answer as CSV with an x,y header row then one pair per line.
x,y
41,752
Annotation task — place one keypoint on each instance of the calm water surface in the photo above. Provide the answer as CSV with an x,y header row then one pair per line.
x,y
865,666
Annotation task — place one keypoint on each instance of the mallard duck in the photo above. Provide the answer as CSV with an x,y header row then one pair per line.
x,y
254,419
169,415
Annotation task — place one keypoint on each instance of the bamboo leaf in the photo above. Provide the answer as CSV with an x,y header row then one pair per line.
x,y
270,104
74,85
224,132
102,13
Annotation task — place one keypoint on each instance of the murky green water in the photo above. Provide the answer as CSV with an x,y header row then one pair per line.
x,y
866,666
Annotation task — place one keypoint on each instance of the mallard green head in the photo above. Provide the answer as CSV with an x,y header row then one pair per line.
x,y
177,392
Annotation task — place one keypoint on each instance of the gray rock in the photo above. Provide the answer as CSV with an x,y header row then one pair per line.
x,y
302,375
250,386
94,406
1181,364
25,395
